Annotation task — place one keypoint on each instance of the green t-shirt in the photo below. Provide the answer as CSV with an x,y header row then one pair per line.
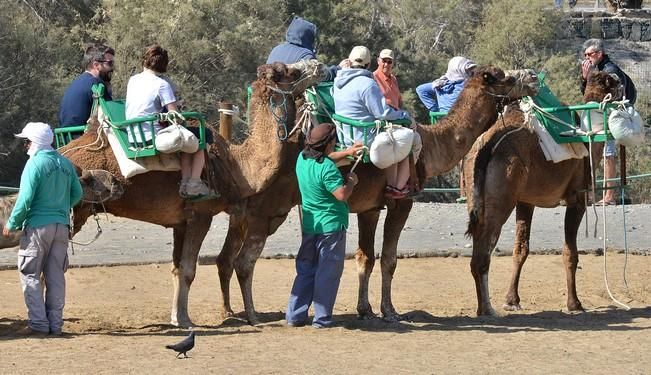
x,y
322,212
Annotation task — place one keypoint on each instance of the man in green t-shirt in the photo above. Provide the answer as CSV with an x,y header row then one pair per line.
x,y
320,259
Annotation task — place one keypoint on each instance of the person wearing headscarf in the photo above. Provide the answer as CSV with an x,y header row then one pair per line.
x,y
440,95
49,188
320,259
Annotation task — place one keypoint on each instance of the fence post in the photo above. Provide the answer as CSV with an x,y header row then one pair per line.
x,y
225,120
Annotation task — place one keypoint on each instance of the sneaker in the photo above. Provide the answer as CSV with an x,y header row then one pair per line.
x,y
462,200
195,188
30,332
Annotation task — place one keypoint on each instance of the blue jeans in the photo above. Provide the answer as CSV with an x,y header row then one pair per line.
x,y
427,96
610,149
319,265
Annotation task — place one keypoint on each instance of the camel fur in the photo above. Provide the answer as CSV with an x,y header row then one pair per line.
x,y
238,171
506,169
443,146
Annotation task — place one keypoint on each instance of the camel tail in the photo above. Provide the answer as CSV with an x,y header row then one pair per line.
x,y
482,159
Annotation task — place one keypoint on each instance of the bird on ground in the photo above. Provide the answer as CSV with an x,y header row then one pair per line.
x,y
184,346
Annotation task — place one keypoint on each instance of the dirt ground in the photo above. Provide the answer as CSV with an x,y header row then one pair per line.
x,y
116,322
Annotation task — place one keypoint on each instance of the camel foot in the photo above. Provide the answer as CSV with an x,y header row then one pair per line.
x,y
367,315
227,313
182,323
575,307
392,318
512,307
486,311
253,319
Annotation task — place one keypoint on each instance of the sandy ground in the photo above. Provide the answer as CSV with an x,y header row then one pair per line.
x,y
116,323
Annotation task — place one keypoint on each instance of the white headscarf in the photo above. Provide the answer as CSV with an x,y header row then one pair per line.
x,y
457,71
40,134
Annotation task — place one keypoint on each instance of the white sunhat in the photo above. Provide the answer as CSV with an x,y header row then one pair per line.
x,y
38,132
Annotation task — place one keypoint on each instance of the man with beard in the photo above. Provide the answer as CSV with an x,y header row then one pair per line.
x,y
77,101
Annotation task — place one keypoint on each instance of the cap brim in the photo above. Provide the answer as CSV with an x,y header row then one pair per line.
x,y
20,135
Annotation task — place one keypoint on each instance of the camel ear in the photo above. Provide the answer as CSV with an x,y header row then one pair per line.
x,y
488,78
612,80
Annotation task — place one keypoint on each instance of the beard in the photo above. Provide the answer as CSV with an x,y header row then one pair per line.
x,y
106,76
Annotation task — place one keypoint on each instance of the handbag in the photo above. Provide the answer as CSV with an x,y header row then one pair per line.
x,y
175,138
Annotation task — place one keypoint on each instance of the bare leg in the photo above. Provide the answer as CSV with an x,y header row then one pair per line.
x,y
402,174
523,216
396,217
186,166
392,175
610,172
573,217
365,257
237,226
198,161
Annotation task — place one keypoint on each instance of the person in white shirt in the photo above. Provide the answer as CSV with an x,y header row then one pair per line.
x,y
148,93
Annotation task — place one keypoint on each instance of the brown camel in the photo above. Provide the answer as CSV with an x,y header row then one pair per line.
x,y
443,146
507,169
239,171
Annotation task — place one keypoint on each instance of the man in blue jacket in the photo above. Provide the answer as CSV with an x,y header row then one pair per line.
x,y
299,45
77,100
49,187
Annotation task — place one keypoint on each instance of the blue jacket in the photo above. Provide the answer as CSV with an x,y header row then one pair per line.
x,y
77,101
358,97
448,94
299,45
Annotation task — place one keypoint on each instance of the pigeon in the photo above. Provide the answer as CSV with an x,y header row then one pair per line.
x,y
184,346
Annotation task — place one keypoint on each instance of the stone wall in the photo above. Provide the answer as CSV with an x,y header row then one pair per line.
x,y
634,26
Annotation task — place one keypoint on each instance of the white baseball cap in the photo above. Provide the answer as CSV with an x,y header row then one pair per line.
x,y
386,54
37,132
360,55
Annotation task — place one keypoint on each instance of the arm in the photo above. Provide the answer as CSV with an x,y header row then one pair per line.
x,y
28,183
350,151
376,104
75,188
344,192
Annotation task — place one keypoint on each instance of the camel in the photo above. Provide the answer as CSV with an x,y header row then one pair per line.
x,y
239,171
443,146
506,169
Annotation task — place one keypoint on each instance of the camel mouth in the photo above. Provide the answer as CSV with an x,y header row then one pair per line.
x,y
526,82
311,73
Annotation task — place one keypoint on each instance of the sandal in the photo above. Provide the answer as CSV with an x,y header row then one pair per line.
x,y
606,203
391,192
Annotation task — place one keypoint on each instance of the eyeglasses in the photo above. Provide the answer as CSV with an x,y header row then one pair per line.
x,y
107,62
387,61
590,54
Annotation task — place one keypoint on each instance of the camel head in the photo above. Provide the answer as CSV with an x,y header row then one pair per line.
x,y
6,205
291,78
97,186
601,84
526,83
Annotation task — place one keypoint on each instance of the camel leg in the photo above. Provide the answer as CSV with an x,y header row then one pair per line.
x,y
523,217
573,217
254,241
237,227
483,242
393,224
187,243
365,258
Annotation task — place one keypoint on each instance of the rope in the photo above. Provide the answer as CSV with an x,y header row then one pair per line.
x,y
359,157
97,234
88,146
234,113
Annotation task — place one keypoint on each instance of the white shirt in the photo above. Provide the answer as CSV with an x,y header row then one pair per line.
x,y
147,94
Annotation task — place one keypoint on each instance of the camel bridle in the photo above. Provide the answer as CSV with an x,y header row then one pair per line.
x,y
284,96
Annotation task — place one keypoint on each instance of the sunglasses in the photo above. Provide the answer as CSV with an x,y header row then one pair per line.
x,y
107,62
590,54
387,61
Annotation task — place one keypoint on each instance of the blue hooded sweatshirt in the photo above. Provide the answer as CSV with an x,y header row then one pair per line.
x,y
358,97
299,45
